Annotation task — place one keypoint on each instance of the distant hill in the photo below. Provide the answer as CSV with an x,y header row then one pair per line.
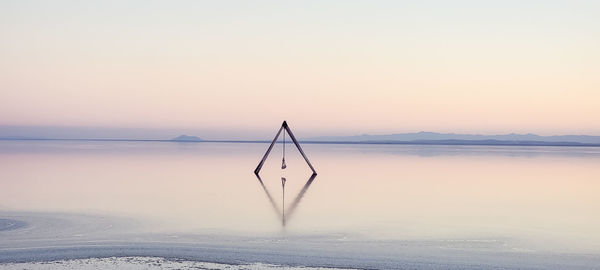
x,y
186,138
477,142
449,137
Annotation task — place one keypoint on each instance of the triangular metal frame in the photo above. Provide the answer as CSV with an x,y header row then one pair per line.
x,y
287,128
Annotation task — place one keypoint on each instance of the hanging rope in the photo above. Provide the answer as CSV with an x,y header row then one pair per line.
x,y
283,166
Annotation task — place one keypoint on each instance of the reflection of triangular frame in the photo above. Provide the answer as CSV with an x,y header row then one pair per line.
x,y
281,212
283,126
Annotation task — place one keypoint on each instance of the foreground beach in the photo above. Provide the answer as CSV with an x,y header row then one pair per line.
x,y
132,263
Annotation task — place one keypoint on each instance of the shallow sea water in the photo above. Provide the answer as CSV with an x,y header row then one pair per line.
x,y
383,205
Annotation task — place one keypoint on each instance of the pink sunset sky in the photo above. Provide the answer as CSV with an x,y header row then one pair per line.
x,y
228,68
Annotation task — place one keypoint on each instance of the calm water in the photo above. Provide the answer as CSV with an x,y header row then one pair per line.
x,y
535,198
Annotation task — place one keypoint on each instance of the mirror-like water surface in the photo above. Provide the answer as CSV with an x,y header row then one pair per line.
x,y
527,199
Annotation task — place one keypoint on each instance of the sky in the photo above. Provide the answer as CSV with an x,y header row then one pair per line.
x,y
237,69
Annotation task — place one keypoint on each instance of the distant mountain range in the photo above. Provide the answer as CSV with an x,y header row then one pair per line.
x,y
422,138
453,138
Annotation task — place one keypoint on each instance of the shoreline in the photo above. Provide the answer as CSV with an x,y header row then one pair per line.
x,y
146,262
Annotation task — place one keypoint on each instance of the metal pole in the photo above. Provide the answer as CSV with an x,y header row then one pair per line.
x,y
262,161
285,125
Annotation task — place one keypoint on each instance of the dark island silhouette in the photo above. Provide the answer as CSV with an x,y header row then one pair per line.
x,y
186,138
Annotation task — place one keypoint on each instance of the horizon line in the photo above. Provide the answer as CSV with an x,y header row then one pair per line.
x,y
460,142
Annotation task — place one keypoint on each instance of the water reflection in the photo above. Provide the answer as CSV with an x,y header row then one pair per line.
x,y
281,213
548,200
